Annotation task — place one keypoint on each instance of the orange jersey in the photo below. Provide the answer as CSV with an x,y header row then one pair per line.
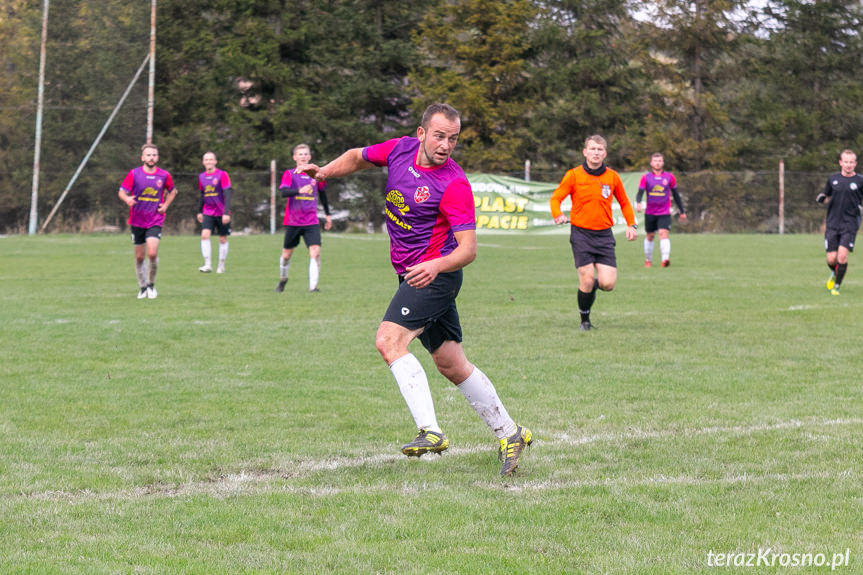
x,y
591,199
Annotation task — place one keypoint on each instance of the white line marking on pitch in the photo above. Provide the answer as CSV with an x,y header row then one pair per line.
x,y
269,481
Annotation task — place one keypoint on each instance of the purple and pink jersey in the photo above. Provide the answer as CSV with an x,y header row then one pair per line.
x,y
424,206
149,191
658,188
212,188
302,209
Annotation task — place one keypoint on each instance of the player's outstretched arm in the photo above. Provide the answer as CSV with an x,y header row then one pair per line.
x,y
346,164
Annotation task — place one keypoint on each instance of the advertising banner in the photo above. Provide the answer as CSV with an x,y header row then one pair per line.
x,y
511,205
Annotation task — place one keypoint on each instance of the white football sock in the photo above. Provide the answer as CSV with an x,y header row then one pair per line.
x,y
314,272
223,252
414,386
284,266
648,250
141,272
482,397
665,248
205,251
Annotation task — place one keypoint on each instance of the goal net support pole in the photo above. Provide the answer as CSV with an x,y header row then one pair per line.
x,y
95,144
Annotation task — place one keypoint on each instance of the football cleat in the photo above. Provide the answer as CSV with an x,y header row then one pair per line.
x,y
666,263
143,293
511,448
834,290
205,269
425,442
314,289
220,269
647,263
281,285
586,326
831,281
151,292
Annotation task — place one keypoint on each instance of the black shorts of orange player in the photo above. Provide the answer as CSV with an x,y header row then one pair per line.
x,y
592,247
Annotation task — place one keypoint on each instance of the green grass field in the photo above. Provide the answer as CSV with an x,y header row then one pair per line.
x,y
224,428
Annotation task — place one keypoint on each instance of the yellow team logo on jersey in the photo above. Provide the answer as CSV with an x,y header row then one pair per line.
x,y
148,195
658,190
396,198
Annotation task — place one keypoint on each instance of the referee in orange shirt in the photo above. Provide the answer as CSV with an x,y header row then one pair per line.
x,y
590,186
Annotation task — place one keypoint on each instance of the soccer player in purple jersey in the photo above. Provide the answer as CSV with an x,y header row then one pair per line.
x,y
301,218
660,186
432,230
148,190
214,211
843,195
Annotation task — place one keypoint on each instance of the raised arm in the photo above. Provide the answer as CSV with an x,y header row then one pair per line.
x,y
346,164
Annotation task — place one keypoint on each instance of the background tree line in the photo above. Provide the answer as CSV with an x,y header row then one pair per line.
x,y
724,88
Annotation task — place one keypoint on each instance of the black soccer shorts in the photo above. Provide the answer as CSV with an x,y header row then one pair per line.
x,y
140,235
592,246
214,224
431,309
311,236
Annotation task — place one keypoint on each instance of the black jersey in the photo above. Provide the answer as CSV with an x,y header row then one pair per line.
x,y
846,195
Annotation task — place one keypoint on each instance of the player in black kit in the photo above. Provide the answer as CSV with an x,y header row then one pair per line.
x,y
843,195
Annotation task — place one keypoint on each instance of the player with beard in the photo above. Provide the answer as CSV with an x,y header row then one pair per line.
x,y
660,186
432,230
148,190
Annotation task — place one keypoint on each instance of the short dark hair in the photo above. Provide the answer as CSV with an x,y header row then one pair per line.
x,y
656,155
147,146
596,138
448,111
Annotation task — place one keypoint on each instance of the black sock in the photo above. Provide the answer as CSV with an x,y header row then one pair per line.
x,y
585,302
840,273
831,268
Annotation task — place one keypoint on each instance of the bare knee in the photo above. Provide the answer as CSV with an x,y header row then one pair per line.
x,y
392,341
385,346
